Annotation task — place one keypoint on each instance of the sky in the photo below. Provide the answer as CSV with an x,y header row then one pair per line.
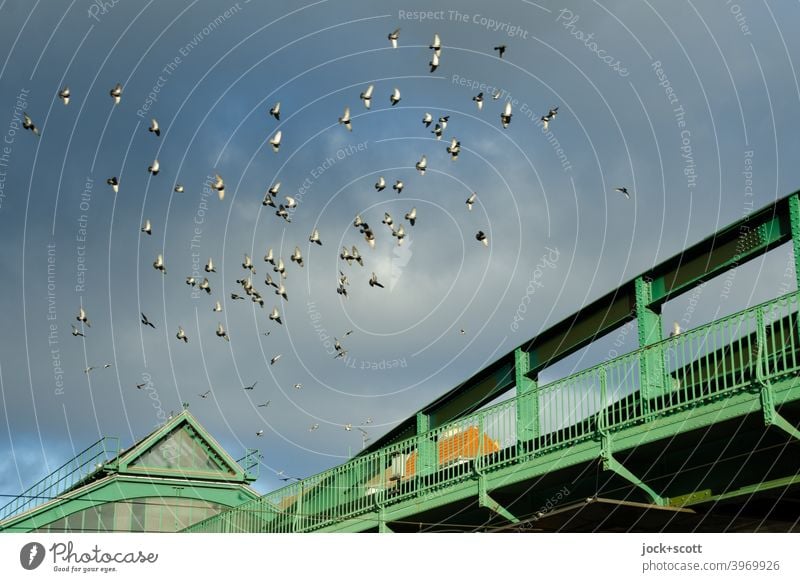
x,y
693,106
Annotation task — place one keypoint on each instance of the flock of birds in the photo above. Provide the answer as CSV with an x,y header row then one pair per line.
x,y
284,209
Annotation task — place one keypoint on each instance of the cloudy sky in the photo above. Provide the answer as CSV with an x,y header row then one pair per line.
x,y
687,104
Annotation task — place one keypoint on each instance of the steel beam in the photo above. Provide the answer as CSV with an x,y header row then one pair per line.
x,y
485,500
527,409
611,464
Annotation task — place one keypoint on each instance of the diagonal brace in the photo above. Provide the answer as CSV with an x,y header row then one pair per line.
x,y
611,464
484,500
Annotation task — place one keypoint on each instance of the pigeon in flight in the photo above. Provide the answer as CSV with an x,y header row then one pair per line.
x,y
505,116
179,188
158,264
436,45
205,286
313,427
280,268
427,119
454,148
219,186
114,183
275,141
434,62
154,168
222,333
298,386
146,321
624,190
281,291
369,236
205,394
345,119
366,96
265,404
27,123
373,281
443,121
147,228
395,97
234,296
248,264
76,332
210,266
478,99
546,119
297,257
421,166
471,200
400,234
252,386
269,257
314,238
259,433
398,184
274,359
437,131
393,36
154,128
496,94
275,315
387,219
380,184
501,49
676,329
411,216
140,386
64,95
275,111
82,317
482,238
356,256
181,335
217,307
116,93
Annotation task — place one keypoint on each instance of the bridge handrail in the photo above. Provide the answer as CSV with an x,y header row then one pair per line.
x,y
425,462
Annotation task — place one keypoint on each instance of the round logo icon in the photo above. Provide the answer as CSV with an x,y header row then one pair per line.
x,y
31,555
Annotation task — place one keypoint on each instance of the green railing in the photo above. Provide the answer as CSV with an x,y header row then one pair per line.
x,y
688,370
86,463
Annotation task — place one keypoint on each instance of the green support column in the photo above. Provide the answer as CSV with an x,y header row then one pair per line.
x,y
426,448
649,327
527,403
794,221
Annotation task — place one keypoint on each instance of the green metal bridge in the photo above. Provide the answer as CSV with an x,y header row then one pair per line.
x,y
696,432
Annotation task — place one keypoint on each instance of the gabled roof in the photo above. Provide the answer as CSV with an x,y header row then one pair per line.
x,y
180,448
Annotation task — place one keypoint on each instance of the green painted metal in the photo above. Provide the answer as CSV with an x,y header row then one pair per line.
x,y
485,500
93,460
794,220
649,326
730,247
528,401
707,497
426,460
715,374
102,474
